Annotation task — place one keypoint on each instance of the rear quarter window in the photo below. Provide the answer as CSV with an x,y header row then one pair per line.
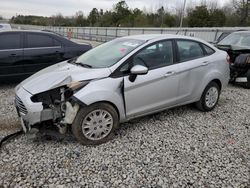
x,y
208,50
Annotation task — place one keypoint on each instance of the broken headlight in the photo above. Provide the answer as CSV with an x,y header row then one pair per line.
x,y
58,95
77,85
74,87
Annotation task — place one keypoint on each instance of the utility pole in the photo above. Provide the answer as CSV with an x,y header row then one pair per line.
x,y
248,7
183,12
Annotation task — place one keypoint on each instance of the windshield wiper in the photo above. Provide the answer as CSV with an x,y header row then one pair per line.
x,y
73,61
84,65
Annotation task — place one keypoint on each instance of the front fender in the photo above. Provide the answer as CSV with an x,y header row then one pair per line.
x,y
104,90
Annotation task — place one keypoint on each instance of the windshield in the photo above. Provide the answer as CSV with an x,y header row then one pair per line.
x,y
109,53
237,39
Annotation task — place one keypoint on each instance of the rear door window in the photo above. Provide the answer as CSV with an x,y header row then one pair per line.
x,y
10,41
38,41
189,50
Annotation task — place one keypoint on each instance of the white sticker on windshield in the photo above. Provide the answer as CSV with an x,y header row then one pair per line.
x,y
130,44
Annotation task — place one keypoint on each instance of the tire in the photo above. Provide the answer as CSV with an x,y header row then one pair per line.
x,y
204,106
247,86
94,131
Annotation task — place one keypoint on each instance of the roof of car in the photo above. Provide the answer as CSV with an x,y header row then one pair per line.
x,y
4,24
149,37
31,31
35,31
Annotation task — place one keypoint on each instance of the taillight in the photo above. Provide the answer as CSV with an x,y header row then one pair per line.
x,y
228,59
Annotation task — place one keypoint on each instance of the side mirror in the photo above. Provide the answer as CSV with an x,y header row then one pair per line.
x,y
139,70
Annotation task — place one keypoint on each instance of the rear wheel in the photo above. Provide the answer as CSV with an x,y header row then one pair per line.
x,y
95,124
209,98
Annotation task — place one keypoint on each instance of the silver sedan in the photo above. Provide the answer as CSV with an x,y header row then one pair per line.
x,y
120,80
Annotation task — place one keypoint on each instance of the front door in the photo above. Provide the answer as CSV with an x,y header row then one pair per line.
x,y
158,88
11,55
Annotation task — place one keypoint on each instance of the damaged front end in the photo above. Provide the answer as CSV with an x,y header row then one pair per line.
x,y
57,105
239,64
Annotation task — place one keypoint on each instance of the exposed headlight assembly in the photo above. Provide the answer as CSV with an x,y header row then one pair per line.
x,y
75,86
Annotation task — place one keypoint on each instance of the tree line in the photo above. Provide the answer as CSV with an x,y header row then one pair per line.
x,y
204,15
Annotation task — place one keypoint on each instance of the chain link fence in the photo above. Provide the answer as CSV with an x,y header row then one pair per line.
x,y
103,34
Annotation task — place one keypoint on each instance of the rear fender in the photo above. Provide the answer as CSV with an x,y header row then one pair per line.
x,y
209,77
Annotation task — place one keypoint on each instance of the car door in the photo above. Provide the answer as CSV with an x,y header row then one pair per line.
x,y
11,54
193,65
41,50
158,88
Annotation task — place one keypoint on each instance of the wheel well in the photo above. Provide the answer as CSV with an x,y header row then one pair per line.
x,y
112,104
217,81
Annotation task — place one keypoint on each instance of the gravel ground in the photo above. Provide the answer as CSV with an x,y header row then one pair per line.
x,y
181,147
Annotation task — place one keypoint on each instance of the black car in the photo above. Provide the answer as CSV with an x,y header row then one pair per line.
x,y
237,45
23,53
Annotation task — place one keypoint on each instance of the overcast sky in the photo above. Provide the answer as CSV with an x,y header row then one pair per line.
x,y
9,8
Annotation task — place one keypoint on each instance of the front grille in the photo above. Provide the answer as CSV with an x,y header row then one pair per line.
x,y
20,106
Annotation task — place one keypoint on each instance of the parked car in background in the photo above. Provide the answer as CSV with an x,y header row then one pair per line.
x,y
5,27
121,80
22,53
237,45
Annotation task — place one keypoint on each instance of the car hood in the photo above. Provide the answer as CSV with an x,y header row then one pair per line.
x,y
232,47
61,74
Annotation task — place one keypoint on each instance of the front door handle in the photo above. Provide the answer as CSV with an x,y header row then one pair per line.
x,y
13,55
169,73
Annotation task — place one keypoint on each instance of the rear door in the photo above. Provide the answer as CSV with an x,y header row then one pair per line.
x,y
41,50
11,54
194,63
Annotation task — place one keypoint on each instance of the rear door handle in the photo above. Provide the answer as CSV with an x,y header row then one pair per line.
x,y
12,55
205,63
170,73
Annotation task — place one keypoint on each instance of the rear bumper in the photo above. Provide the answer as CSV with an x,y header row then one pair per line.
x,y
28,111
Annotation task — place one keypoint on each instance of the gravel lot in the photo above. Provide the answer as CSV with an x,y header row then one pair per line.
x,y
181,147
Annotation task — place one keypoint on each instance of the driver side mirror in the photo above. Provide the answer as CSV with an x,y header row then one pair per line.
x,y
137,70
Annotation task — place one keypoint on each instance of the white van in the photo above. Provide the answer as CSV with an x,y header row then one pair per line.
x,y
4,27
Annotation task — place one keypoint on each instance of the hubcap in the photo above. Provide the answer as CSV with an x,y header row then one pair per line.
x,y
212,97
97,124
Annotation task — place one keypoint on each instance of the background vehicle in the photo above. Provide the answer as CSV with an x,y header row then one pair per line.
x,y
23,53
121,80
5,27
237,45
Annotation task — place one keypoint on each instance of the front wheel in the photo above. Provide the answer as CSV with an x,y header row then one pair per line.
x,y
95,124
209,98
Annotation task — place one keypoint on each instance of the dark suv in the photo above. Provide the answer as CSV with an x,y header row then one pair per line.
x,y
23,53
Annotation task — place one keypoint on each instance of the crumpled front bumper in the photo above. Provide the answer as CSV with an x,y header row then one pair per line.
x,y
29,112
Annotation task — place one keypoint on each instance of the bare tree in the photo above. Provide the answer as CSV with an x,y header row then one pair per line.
x,y
213,5
241,9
